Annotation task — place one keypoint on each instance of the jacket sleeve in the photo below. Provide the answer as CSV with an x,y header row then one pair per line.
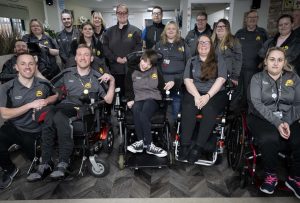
x,y
7,72
107,51
138,40
256,102
129,92
262,52
62,54
161,82
237,61
295,111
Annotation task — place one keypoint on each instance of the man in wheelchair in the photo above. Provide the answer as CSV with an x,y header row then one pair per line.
x,y
144,89
73,82
274,117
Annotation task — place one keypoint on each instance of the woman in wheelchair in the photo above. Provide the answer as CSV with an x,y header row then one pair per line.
x,y
274,108
204,78
144,89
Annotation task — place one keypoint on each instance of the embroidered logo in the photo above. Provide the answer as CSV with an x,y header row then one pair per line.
x,y
257,38
38,93
289,83
98,53
265,82
46,42
71,80
181,49
101,70
18,97
286,47
130,35
154,76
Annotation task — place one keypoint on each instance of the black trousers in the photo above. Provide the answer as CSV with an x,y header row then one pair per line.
x,y
120,82
188,116
142,114
270,143
57,122
10,135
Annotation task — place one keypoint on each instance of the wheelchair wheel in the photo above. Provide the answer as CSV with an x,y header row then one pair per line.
x,y
103,169
235,143
108,143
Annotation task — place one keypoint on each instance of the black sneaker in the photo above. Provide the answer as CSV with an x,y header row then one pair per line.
x,y
138,146
269,183
183,153
294,185
157,151
8,177
60,171
42,171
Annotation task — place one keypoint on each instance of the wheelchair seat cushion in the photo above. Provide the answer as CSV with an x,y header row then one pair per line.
x,y
158,118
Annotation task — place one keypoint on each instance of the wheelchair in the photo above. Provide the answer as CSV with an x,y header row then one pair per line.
x,y
160,131
243,155
215,145
92,133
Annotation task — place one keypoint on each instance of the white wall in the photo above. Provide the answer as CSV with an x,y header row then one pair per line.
x,y
214,17
78,11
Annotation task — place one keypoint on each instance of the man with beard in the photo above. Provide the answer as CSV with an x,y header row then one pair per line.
x,y
65,37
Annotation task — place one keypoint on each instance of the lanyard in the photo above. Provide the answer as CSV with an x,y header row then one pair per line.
x,y
87,85
274,95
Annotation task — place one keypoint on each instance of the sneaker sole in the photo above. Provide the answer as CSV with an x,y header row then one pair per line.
x,y
134,151
12,178
158,155
266,191
292,189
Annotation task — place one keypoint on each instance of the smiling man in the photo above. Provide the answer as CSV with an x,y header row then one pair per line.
x,y
21,98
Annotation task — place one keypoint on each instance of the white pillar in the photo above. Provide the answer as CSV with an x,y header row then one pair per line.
x,y
52,15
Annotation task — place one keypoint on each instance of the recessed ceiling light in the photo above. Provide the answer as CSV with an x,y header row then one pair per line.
x,y
150,9
99,0
228,8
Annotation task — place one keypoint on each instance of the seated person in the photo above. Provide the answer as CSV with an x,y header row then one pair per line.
x,y
74,80
144,89
9,71
274,107
204,78
21,98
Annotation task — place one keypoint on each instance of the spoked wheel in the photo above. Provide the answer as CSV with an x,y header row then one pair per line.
x,y
235,143
101,170
168,143
108,143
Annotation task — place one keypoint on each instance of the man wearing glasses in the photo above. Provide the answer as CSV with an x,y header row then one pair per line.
x,y
201,28
252,38
151,34
118,41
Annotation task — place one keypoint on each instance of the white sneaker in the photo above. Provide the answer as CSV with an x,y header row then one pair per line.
x,y
138,146
157,151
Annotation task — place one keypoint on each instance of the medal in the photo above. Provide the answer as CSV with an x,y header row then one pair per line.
x,y
274,95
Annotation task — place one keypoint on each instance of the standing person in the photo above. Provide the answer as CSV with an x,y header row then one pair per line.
x,y
21,99
229,47
204,78
252,39
9,70
48,49
65,37
201,28
151,34
99,25
118,41
274,107
175,55
285,38
296,27
74,80
144,89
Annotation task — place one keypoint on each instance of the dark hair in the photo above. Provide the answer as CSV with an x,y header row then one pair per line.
x,y
285,16
151,55
202,13
66,11
158,7
122,5
209,67
81,37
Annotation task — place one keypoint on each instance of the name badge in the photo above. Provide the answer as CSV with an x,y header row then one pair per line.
x,y
278,114
167,61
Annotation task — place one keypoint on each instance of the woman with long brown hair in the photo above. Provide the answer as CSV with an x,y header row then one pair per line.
x,y
204,78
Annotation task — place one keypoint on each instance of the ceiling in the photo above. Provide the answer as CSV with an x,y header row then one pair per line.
x,y
135,5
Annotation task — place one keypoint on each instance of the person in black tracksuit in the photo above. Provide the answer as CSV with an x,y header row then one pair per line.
x,y
274,113
201,28
287,39
252,39
204,78
175,55
73,81
66,36
151,34
118,41
144,89
22,100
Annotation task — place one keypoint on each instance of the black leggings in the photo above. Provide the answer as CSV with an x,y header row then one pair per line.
x,y
142,114
10,135
210,111
270,143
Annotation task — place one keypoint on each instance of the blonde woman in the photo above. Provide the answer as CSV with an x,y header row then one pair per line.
x,y
176,53
99,25
227,46
274,107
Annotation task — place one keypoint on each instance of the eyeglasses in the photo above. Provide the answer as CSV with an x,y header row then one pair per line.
x,y
221,26
122,13
156,14
204,43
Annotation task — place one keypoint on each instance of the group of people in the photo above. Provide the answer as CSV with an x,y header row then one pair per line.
x,y
264,71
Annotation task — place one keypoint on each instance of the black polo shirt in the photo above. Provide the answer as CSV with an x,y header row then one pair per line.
x,y
14,94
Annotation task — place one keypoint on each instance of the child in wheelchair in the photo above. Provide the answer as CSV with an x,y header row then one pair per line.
x,y
144,89
274,117
204,78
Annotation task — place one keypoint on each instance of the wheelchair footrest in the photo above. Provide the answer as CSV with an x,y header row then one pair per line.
x,y
143,160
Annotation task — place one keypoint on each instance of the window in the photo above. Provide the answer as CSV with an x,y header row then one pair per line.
x,y
9,25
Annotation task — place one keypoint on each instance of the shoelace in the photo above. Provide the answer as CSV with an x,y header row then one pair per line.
x,y
271,179
137,144
155,148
